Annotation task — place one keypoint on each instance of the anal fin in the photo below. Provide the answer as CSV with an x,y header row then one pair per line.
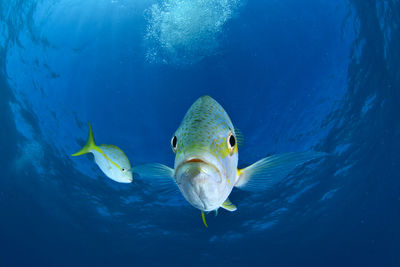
x,y
228,205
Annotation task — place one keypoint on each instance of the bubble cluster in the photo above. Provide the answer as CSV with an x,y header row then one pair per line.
x,y
185,31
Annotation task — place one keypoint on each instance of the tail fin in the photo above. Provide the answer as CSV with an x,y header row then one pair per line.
x,y
89,144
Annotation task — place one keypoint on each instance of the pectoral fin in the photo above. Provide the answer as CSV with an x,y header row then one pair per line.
x,y
269,171
228,205
158,176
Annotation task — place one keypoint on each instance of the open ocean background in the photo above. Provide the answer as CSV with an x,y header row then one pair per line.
x,y
292,75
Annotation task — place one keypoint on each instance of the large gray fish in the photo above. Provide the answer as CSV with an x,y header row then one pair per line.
x,y
206,160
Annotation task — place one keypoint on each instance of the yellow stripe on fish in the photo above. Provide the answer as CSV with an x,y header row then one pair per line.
x,y
111,159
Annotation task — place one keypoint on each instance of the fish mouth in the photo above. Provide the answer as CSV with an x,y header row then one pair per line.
x,y
195,160
199,180
128,177
199,160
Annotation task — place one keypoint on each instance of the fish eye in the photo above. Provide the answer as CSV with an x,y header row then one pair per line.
x,y
123,169
231,142
174,143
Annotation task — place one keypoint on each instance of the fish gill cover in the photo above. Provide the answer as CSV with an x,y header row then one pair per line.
x,y
292,75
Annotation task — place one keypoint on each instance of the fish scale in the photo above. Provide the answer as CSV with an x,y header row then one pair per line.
x,y
204,121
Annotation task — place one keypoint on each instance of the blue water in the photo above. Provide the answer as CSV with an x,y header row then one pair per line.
x,y
292,75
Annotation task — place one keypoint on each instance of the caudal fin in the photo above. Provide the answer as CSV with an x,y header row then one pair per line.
x,y
89,144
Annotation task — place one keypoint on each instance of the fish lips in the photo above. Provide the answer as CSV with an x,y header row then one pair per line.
x,y
129,177
124,178
199,182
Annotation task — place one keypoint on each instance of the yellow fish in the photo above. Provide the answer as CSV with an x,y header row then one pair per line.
x,y
206,160
111,159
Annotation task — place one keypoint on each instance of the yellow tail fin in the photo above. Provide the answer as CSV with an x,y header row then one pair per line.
x,y
89,144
